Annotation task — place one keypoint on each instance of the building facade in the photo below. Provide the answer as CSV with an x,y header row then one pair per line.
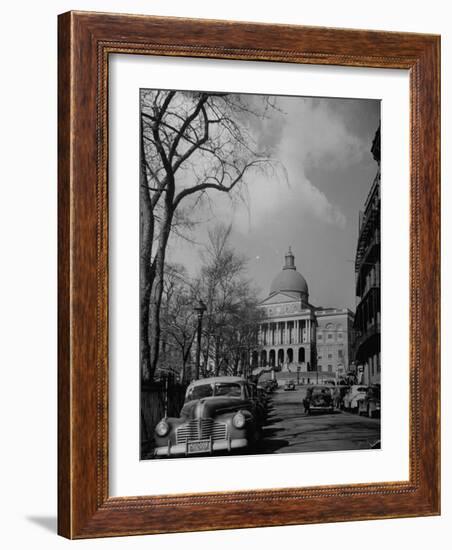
x,y
367,269
296,337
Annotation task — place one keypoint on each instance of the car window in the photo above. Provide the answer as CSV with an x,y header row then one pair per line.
x,y
363,388
198,392
321,391
233,390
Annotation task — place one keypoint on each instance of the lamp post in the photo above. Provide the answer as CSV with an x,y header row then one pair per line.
x,y
200,308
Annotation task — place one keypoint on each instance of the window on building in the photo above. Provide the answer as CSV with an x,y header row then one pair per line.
x,y
339,335
330,356
319,337
319,367
319,357
340,353
330,336
330,368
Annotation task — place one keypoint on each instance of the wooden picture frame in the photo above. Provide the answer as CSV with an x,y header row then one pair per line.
x,y
85,508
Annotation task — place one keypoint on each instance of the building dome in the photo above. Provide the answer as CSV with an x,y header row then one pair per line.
x,y
289,280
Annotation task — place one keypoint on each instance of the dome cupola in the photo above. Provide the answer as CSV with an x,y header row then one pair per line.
x,y
289,280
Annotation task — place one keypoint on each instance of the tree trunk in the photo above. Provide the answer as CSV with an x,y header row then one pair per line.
x,y
236,365
185,356
156,291
146,270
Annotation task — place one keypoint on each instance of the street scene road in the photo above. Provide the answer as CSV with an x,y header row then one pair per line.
x,y
282,418
289,429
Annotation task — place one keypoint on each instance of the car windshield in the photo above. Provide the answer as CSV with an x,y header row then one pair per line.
x,y
198,392
233,390
209,390
321,391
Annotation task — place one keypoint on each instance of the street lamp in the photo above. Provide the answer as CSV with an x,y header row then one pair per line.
x,y
200,308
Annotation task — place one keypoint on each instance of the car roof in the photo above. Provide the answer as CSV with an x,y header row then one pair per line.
x,y
216,380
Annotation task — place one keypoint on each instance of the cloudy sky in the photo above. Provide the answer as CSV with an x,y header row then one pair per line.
x,y
324,145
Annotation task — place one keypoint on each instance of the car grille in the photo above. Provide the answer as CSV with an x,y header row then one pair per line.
x,y
203,428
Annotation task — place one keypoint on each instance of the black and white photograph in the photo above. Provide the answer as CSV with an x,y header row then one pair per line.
x,y
259,274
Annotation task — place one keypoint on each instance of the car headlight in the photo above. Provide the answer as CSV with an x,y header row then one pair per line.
x,y
162,428
238,420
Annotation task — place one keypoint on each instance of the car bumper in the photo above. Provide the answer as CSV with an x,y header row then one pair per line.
x,y
220,445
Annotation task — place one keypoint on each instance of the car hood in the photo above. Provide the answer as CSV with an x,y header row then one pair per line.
x,y
208,407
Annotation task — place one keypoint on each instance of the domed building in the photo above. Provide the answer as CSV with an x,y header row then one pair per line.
x,y
306,341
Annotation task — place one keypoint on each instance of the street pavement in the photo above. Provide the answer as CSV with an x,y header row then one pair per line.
x,y
289,429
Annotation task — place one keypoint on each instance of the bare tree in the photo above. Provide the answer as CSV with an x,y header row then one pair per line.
x,y
191,144
178,319
232,316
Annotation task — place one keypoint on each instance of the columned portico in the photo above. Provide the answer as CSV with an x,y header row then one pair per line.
x,y
284,332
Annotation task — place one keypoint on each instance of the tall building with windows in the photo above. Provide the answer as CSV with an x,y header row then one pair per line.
x,y
367,269
297,337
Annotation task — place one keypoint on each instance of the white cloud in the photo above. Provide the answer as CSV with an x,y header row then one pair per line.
x,y
308,134
314,134
270,197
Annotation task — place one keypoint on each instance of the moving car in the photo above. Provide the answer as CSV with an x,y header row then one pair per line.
x,y
318,398
219,414
289,385
351,398
370,404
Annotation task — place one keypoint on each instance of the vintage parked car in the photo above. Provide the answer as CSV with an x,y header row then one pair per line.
x,y
370,404
260,401
269,385
263,395
318,398
351,398
289,385
219,414
339,394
